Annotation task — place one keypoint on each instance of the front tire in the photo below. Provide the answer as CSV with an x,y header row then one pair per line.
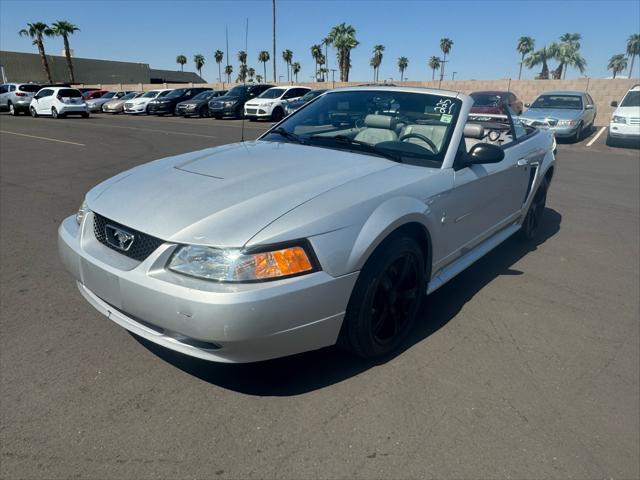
x,y
277,115
535,214
611,141
33,112
578,136
203,112
386,299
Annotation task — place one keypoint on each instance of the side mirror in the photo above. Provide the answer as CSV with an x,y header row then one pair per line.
x,y
589,107
527,105
485,153
614,103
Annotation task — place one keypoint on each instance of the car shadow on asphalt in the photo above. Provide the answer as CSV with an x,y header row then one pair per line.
x,y
299,374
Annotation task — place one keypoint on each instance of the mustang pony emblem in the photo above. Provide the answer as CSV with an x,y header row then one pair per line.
x,y
119,238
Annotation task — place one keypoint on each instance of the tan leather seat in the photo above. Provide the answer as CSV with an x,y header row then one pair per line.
x,y
378,128
435,133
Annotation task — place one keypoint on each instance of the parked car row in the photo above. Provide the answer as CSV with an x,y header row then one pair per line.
x,y
569,114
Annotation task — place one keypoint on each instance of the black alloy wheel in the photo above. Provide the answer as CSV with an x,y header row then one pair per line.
x,y
535,214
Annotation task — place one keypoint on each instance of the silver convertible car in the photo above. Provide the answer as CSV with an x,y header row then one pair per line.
x,y
329,229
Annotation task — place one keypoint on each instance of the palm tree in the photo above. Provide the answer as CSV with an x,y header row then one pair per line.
x,y
218,55
377,60
252,73
259,78
403,63
263,57
434,64
326,41
372,64
287,56
242,73
228,70
445,46
63,29
566,52
242,57
295,69
617,63
540,57
36,31
198,59
343,37
273,13
525,47
321,71
316,53
633,49
181,60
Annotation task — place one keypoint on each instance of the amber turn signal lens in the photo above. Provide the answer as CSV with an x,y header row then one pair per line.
x,y
282,263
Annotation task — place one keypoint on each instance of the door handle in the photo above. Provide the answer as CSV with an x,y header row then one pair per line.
x,y
523,162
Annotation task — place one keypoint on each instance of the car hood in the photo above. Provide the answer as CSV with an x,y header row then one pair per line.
x,y
225,99
559,113
98,101
192,102
223,196
115,103
260,101
627,111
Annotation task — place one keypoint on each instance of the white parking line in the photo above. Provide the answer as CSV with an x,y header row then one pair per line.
x,y
596,137
155,130
44,138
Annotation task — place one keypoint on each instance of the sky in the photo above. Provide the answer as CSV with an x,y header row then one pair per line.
x,y
484,33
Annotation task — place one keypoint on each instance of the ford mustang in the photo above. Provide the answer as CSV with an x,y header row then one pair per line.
x,y
328,229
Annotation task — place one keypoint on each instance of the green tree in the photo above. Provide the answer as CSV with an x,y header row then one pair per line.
x,y
242,57
566,52
434,64
445,45
633,49
295,69
228,70
198,59
617,63
252,73
64,29
181,60
259,78
316,53
525,47
218,55
37,31
403,63
540,57
377,61
242,73
343,38
263,57
287,56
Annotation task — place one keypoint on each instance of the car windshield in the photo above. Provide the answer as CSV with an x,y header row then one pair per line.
x,y
272,93
129,96
29,88
206,95
163,94
404,126
567,102
307,97
69,93
485,100
631,99
237,91
151,94
178,92
108,95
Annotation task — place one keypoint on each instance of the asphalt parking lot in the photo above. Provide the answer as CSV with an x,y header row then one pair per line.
x,y
525,366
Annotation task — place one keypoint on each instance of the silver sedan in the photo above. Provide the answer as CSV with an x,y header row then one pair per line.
x,y
328,229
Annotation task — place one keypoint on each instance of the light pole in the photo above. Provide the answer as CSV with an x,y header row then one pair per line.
x,y
333,77
453,75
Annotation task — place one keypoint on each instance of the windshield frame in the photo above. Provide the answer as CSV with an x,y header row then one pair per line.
x,y
406,155
627,97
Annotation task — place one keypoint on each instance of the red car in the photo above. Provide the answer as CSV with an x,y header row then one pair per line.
x,y
88,95
493,102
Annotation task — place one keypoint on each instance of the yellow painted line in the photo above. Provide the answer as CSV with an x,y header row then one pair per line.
x,y
596,137
44,138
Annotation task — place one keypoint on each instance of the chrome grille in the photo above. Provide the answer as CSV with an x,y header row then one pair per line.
x,y
143,245
634,121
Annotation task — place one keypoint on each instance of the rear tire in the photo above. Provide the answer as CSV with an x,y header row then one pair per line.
x,y
386,299
535,214
54,113
12,110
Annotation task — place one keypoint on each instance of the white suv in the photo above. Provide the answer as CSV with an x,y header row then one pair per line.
x,y
139,105
272,103
625,121
58,102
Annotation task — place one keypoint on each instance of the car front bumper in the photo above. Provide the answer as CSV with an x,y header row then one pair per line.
x,y
106,109
231,323
160,109
94,108
223,111
624,130
564,131
182,110
136,108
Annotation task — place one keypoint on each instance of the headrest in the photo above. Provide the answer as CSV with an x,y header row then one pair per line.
x,y
380,121
473,130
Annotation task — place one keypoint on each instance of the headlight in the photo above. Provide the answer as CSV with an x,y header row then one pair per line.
x,y
266,104
82,212
567,123
230,103
243,266
617,119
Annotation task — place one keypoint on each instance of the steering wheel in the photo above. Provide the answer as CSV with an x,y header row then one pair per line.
x,y
419,136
